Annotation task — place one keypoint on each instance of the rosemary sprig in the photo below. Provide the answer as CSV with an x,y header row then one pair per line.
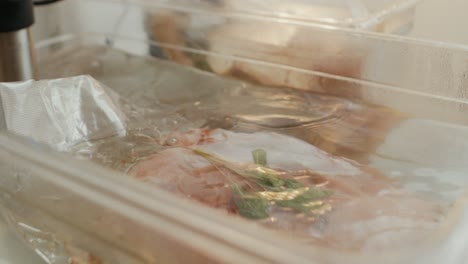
x,y
279,191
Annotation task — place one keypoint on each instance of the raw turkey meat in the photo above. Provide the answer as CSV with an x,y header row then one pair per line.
x,y
344,204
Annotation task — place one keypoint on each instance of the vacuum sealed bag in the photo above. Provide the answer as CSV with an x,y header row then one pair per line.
x,y
311,168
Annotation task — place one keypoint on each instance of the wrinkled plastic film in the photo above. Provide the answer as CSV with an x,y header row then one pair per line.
x,y
61,112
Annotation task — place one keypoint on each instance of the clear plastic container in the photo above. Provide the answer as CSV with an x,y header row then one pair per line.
x,y
56,198
389,16
407,72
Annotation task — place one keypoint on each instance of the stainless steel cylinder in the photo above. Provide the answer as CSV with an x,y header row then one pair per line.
x,y
17,57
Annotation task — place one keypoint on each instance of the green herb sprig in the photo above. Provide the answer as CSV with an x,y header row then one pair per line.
x,y
277,190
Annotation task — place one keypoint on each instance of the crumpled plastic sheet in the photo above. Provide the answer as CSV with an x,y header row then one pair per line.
x,y
61,112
